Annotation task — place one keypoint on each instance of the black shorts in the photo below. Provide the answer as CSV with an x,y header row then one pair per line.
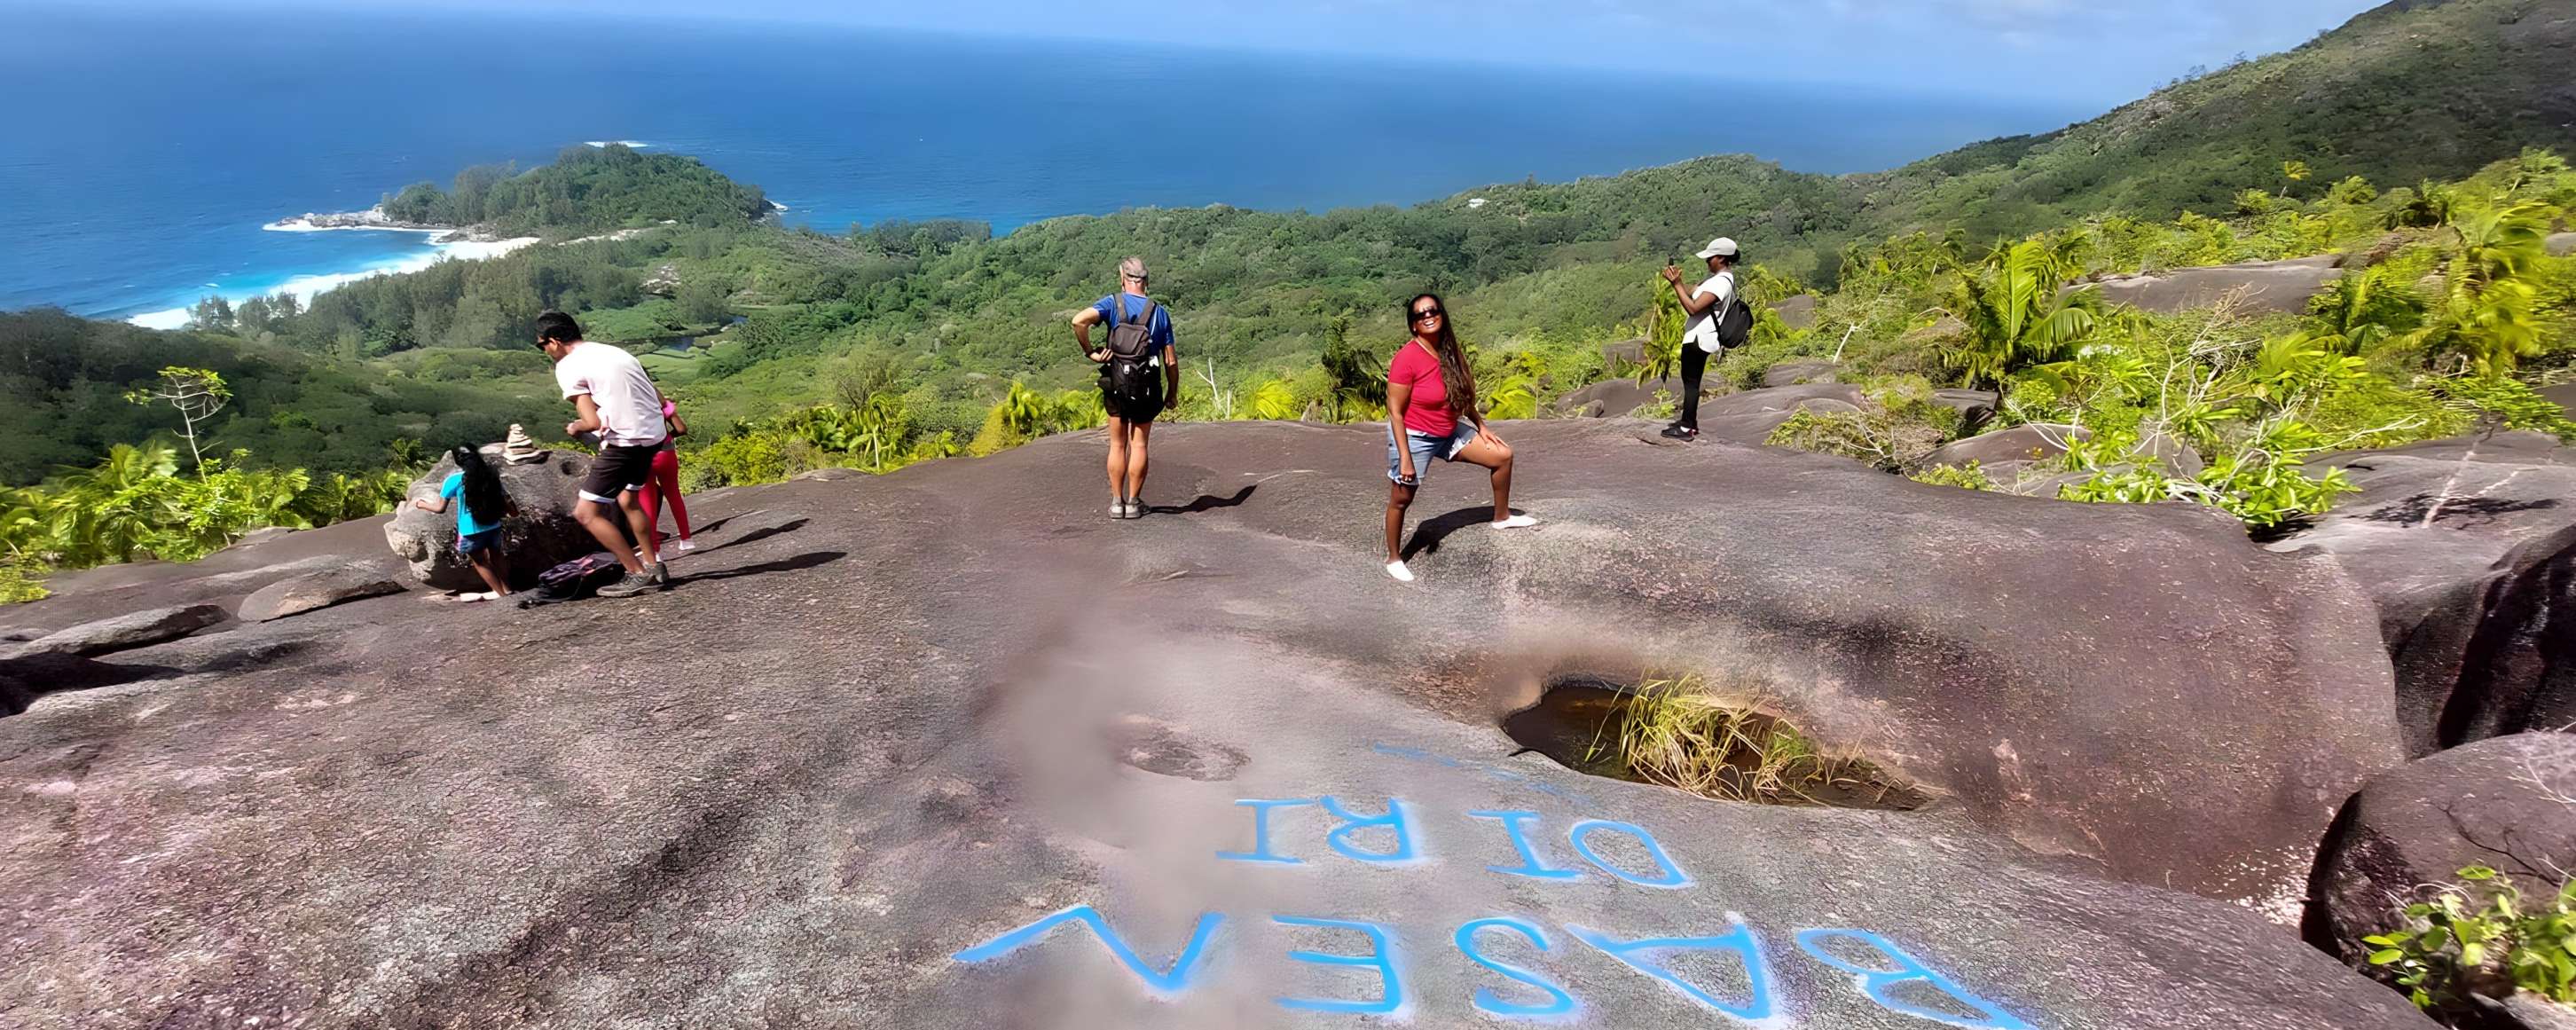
x,y
617,470
1140,413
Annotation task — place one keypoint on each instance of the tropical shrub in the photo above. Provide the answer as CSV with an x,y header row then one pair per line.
x,y
1966,477
2481,936
1886,436
19,583
2015,315
136,504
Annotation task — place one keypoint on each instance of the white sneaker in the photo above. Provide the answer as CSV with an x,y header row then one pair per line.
x,y
687,545
1516,522
1397,570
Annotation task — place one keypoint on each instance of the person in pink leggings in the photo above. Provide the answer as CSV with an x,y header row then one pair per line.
x,y
666,482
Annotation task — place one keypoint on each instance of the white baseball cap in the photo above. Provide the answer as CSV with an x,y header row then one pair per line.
x,y
1719,247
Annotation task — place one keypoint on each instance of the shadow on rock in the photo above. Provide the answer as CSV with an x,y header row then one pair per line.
x,y
758,535
1428,535
22,680
1205,503
2457,512
796,564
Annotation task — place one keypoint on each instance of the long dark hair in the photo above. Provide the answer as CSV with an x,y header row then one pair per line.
x,y
483,494
1454,375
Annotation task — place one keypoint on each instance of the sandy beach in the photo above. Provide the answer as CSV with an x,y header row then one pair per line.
x,y
306,287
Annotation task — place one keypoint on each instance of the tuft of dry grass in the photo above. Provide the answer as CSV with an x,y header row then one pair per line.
x,y
1676,732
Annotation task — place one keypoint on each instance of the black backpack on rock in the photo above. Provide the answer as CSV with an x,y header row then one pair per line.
x,y
573,580
1133,376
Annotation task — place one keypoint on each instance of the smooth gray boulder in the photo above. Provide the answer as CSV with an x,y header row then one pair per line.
x,y
297,595
2006,448
124,632
542,535
2465,547
896,751
2563,395
1800,371
2527,1011
2257,286
1797,312
2561,244
2500,803
1749,416
1618,352
1615,398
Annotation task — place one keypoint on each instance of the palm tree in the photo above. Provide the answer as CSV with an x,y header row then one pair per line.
x,y
2296,172
2017,314
1664,327
2498,242
1274,400
2486,313
2356,310
112,510
1024,411
24,516
2431,205
125,467
1079,408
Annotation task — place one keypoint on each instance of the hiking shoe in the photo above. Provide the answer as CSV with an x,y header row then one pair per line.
x,y
661,574
1136,508
632,584
1118,508
1681,432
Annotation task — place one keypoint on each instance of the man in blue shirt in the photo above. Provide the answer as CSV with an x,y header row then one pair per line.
x,y
1140,377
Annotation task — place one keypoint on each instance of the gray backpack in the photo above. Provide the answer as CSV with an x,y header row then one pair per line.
x,y
1132,340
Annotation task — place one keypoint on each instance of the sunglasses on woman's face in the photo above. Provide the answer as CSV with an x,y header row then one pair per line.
x,y
1426,314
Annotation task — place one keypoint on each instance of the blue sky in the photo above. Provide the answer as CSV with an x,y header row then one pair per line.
x,y
2089,51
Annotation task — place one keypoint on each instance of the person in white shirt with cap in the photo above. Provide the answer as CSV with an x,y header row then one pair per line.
x,y
1706,306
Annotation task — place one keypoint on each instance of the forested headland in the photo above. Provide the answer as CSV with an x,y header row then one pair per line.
x,y
586,189
2421,142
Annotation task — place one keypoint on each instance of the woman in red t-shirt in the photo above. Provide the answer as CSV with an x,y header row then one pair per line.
x,y
1431,411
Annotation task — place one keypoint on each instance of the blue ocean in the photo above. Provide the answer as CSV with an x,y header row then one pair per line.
x,y
144,154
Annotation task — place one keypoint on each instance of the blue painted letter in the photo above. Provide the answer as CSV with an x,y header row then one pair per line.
x,y
1757,972
1394,820
1875,982
1530,865
1161,985
1381,957
1261,834
1672,878
1487,1000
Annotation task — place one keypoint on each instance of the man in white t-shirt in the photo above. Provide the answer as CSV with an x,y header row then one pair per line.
x,y
1705,306
619,403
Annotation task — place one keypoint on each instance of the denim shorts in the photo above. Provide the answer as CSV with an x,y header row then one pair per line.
x,y
1426,446
483,541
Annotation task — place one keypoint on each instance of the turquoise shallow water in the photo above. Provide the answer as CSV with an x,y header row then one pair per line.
x,y
145,155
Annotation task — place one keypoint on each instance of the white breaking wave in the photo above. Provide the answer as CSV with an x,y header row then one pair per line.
x,y
302,226
630,144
